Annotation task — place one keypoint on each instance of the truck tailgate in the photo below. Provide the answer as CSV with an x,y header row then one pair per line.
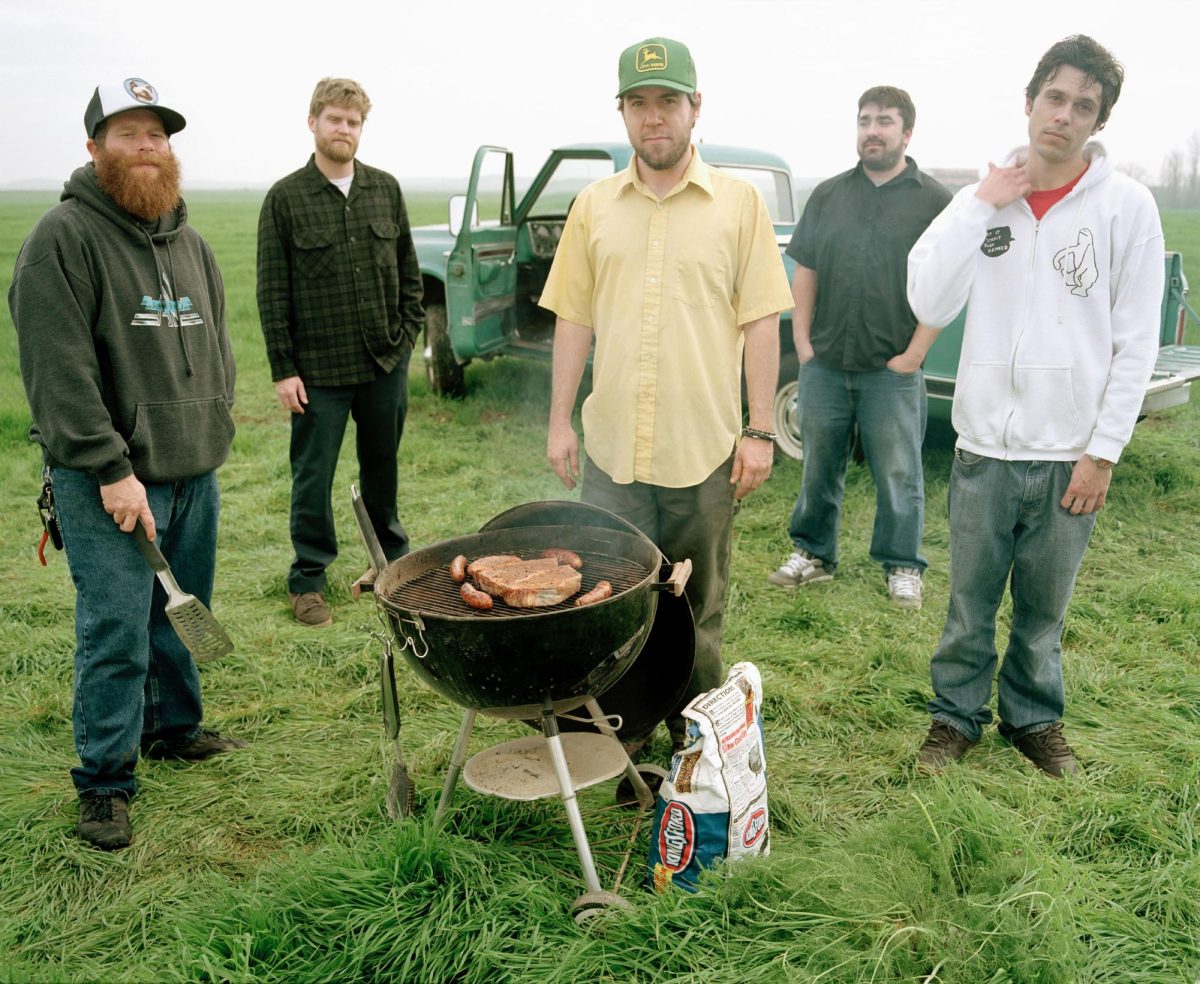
x,y
1170,384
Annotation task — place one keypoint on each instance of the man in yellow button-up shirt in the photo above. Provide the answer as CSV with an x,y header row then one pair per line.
x,y
674,268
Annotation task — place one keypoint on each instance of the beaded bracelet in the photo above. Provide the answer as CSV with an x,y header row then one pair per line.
x,y
760,435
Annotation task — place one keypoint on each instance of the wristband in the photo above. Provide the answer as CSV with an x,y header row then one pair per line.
x,y
760,435
1102,463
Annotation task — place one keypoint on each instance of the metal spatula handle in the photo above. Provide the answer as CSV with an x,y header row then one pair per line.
x,y
156,560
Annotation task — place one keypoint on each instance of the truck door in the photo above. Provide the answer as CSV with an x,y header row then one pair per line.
x,y
481,275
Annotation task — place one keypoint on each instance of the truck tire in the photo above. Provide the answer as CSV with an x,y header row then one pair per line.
x,y
785,420
442,370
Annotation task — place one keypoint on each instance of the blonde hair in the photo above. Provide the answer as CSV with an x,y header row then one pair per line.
x,y
339,92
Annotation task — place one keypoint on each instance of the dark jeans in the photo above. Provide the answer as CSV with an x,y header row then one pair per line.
x,y
694,523
1006,525
134,680
889,408
378,409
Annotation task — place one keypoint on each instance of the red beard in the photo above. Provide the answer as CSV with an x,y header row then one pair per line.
x,y
142,193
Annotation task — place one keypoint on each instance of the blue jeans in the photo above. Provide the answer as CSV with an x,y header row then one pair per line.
x,y
134,680
889,408
379,408
1006,524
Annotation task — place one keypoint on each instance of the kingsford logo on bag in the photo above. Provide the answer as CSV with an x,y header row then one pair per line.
x,y
713,804
755,828
676,836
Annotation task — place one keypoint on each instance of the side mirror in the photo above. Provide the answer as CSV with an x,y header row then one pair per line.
x,y
458,210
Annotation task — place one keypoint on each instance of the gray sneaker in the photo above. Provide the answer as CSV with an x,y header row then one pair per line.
x,y
904,587
801,567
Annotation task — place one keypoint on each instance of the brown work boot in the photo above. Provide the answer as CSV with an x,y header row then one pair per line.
x,y
206,744
104,822
942,746
1049,751
311,609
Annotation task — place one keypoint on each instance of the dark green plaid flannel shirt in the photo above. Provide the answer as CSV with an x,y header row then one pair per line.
x,y
339,288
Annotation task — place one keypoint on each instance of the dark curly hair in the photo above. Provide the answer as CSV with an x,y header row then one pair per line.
x,y
1090,57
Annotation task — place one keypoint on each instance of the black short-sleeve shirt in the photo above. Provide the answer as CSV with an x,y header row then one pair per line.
x,y
856,236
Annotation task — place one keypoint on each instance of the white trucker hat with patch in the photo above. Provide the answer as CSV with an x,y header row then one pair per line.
x,y
118,97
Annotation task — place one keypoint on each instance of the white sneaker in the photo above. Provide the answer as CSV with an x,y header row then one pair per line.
x,y
904,587
801,567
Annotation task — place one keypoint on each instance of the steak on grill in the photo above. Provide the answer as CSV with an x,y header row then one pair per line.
x,y
498,577
542,588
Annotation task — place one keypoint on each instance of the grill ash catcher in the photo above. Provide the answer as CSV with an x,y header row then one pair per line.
x,y
625,660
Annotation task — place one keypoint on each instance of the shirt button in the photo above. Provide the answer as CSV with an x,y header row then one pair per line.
x,y
659,206
656,243
353,240
653,281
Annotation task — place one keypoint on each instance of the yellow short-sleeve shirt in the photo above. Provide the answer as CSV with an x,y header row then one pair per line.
x,y
666,286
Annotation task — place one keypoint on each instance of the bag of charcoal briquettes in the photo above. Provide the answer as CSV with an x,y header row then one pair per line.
x,y
713,803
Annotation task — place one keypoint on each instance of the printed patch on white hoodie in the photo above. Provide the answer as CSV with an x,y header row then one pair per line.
x,y
1077,264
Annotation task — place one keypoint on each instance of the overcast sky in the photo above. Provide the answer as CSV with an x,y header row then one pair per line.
x,y
783,75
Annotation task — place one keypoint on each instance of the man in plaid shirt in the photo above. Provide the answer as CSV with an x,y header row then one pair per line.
x,y
339,298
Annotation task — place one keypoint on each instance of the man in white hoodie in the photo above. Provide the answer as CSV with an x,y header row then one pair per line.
x,y
1059,258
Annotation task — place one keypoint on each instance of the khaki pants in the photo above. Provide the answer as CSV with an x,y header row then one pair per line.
x,y
696,524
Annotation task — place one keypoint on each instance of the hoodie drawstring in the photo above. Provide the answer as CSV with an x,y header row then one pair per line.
x,y
187,356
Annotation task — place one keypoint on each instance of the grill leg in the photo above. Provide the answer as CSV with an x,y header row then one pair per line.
x,y
457,760
567,788
641,790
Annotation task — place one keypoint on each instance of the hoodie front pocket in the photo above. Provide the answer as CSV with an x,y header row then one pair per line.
x,y
1046,415
981,401
180,439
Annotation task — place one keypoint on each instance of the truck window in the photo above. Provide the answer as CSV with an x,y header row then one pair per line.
x,y
570,177
776,188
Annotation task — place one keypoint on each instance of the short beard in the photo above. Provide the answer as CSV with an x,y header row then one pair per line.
x,y
342,153
884,163
144,196
674,156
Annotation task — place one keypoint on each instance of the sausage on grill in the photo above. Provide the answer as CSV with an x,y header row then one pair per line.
x,y
601,591
564,556
475,598
458,569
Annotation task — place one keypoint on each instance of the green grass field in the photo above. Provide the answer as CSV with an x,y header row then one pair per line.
x,y
279,864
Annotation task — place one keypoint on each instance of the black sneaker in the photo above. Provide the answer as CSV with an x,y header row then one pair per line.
x,y
104,822
1049,751
942,746
206,743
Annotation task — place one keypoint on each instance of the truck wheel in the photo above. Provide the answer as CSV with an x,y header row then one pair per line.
x,y
785,420
442,370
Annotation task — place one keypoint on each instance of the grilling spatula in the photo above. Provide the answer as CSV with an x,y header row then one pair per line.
x,y
195,625
400,792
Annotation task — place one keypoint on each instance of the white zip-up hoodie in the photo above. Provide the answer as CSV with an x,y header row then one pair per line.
x,y
1063,317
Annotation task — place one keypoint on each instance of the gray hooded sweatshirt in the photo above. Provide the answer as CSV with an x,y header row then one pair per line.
x,y
121,330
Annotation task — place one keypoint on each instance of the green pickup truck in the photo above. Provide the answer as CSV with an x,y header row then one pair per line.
x,y
484,270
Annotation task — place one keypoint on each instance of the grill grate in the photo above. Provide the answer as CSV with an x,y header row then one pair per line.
x,y
434,593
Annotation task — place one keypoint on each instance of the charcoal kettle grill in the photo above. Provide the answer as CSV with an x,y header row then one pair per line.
x,y
540,663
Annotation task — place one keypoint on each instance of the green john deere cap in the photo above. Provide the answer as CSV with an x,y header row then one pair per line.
x,y
657,61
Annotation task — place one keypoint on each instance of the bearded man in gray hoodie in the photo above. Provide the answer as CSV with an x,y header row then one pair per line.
x,y
120,316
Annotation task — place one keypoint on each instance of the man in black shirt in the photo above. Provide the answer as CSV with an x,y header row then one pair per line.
x,y
860,350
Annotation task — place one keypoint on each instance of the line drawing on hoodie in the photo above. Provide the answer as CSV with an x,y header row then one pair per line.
x,y
1077,264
